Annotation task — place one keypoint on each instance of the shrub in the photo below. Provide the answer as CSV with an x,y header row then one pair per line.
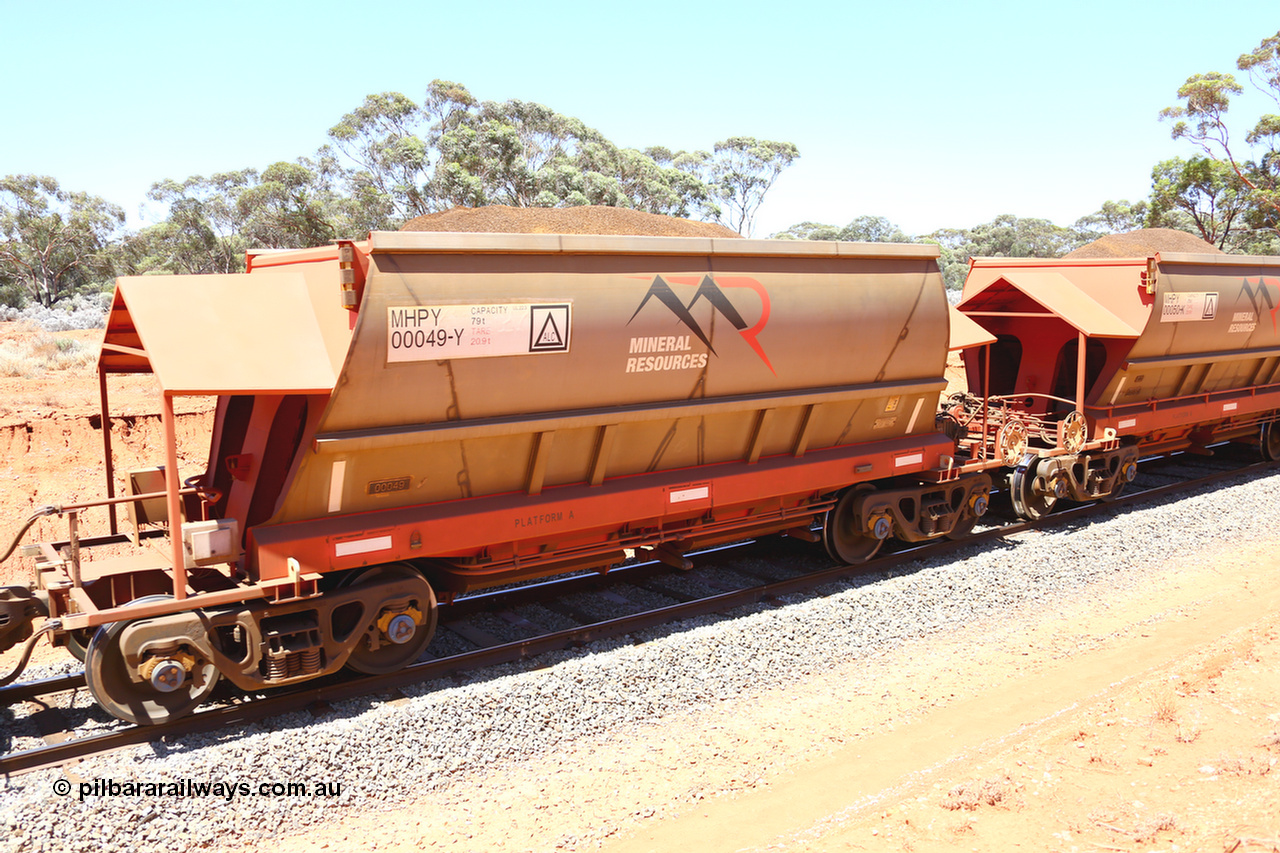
x,y
81,311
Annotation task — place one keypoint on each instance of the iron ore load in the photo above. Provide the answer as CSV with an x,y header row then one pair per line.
x,y
410,417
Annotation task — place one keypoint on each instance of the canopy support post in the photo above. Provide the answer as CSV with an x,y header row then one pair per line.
x,y
171,488
986,396
106,445
1080,362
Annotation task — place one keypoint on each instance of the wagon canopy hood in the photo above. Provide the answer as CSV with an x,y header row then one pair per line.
x,y
226,334
1038,292
965,333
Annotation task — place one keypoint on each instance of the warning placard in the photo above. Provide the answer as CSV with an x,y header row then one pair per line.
x,y
436,332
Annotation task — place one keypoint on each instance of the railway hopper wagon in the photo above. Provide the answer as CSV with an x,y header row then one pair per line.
x,y
1096,361
407,418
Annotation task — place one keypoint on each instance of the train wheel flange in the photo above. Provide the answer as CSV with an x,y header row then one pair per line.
x,y
845,538
1034,488
395,636
1269,441
176,693
77,642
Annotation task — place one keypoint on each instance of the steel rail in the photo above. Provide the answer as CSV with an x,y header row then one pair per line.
x,y
337,688
461,608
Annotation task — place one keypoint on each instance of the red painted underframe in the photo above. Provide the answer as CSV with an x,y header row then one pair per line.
x,y
1186,412
465,528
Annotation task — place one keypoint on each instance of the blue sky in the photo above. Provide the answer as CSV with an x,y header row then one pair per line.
x,y
931,114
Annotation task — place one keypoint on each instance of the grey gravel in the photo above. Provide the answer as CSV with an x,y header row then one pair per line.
x,y
383,753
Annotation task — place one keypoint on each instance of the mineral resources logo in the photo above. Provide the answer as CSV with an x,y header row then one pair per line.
x,y
1260,297
680,347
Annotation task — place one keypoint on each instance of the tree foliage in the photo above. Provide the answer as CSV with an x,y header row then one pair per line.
x,y
742,171
864,229
1114,217
1006,236
202,232
386,161
213,221
392,167
1202,119
409,159
53,242
1198,195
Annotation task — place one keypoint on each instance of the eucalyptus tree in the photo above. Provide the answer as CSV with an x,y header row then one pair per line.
x,y
1202,119
741,172
393,164
53,241
1006,236
211,222
863,229
202,231
409,158
1114,217
1200,195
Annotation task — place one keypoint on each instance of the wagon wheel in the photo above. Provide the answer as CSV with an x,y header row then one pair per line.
x,y
1269,441
77,642
169,693
395,636
1011,441
1075,432
1032,497
844,538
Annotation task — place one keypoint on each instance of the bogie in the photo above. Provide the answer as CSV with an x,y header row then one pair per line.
x,y
864,516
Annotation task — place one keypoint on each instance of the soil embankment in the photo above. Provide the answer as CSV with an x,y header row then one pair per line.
x,y
58,460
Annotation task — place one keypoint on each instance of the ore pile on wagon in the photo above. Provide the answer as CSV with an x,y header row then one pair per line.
x,y
411,417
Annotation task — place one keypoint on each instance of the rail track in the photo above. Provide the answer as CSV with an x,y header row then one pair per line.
x,y
461,623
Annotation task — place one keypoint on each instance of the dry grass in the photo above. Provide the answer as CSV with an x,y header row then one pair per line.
x,y
27,351
998,790
1146,830
1164,704
1188,734
1114,816
1243,765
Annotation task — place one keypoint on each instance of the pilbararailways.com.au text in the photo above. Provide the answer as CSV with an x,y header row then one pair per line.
x,y
190,788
